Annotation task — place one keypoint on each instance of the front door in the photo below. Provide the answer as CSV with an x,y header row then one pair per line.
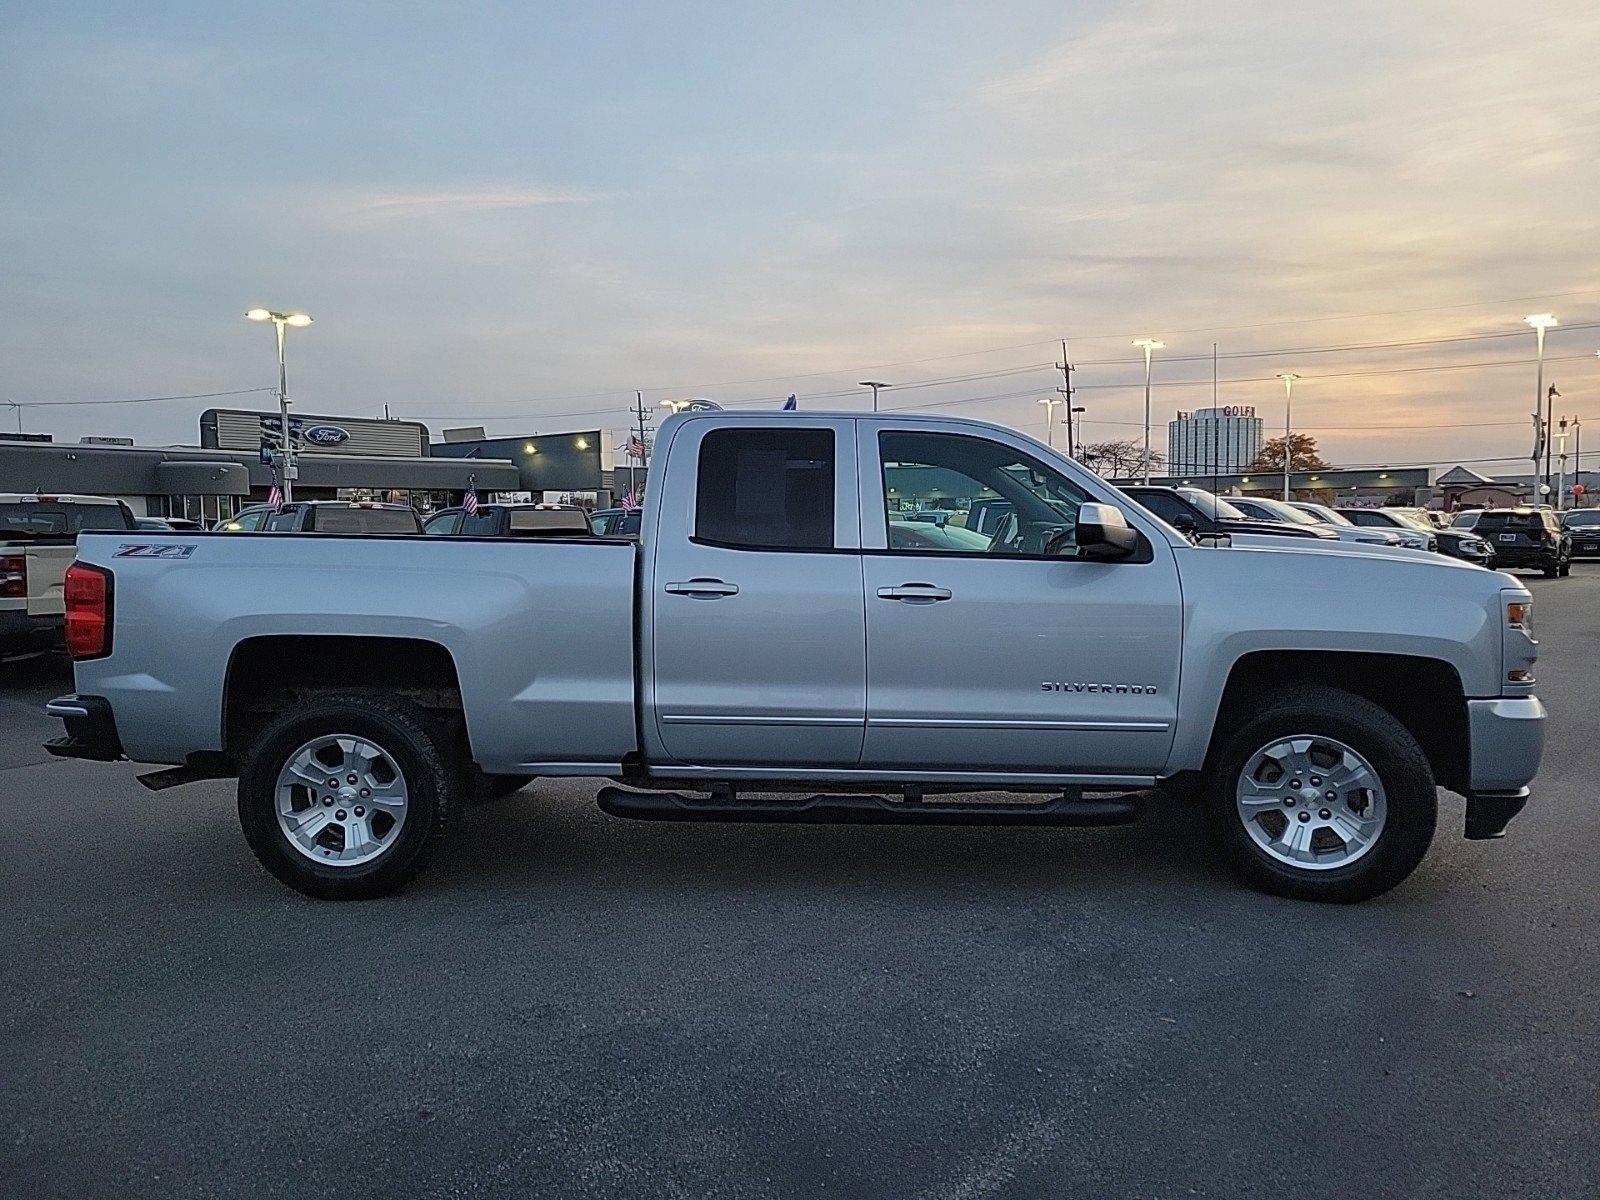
x,y
991,646
758,628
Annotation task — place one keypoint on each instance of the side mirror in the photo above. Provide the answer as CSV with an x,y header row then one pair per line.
x,y
1103,533
1184,523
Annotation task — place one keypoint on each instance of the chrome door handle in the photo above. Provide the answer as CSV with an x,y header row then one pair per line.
x,y
924,593
703,589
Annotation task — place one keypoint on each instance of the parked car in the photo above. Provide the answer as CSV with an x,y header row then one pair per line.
x,y
166,523
324,516
616,522
511,520
766,636
1377,537
1531,538
1584,526
1197,513
1413,535
37,540
1457,543
1262,508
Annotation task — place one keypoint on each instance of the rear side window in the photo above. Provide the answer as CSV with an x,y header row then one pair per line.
x,y
547,520
768,489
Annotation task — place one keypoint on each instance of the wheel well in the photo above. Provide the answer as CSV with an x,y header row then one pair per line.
x,y
266,674
1424,694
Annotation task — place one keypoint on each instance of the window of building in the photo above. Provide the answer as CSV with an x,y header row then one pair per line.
x,y
766,489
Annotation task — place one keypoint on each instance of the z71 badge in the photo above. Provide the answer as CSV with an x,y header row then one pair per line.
x,y
154,550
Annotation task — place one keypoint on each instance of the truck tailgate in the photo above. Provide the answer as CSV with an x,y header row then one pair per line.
x,y
47,571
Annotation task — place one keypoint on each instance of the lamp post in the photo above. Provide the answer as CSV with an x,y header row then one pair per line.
x,y
1288,378
1541,422
1149,346
876,385
676,406
1071,432
280,322
1561,473
1050,403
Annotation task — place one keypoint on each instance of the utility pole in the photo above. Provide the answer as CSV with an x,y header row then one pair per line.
x,y
644,441
1065,367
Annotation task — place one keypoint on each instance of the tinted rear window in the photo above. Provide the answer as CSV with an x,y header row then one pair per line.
x,y
766,489
547,520
1494,520
364,520
57,520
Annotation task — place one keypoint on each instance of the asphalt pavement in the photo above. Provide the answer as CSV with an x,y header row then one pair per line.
x,y
572,1005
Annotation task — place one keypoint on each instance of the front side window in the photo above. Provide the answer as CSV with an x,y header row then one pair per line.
x,y
443,525
766,489
1013,504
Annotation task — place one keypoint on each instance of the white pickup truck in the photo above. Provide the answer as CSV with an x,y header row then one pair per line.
x,y
779,645
37,536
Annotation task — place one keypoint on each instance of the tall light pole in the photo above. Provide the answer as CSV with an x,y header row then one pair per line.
x,y
1288,378
280,322
1050,403
1561,473
875,385
676,406
1149,346
1071,434
1541,423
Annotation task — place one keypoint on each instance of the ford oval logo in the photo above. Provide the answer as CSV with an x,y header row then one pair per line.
x,y
326,435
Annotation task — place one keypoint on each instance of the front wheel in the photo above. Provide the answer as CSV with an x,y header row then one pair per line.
x,y
349,796
1322,795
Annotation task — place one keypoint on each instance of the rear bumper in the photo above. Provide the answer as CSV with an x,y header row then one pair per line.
x,y
20,631
1506,737
91,729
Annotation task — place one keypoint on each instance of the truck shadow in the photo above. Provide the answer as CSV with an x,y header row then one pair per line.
x,y
538,839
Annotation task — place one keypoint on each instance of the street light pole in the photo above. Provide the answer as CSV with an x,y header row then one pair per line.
x,y
1148,345
280,322
1541,423
875,385
1561,473
1288,378
1050,403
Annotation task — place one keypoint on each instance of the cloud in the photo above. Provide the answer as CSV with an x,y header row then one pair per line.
x,y
451,201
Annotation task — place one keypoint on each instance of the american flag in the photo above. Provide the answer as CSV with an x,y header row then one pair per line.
x,y
636,447
275,497
469,503
630,502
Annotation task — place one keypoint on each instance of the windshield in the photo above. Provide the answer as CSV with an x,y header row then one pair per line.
x,y
1323,513
1214,507
1415,522
1288,512
1586,517
30,519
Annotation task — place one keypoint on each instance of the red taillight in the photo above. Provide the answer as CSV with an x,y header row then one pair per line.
x,y
87,594
14,576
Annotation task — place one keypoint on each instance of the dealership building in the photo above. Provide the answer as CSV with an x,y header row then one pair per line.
x,y
337,458
1213,441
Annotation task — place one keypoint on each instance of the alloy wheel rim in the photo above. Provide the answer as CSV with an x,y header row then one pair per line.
x,y
1311,802
341,800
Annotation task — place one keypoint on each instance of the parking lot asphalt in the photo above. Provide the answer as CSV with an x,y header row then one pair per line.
x,y
569,1004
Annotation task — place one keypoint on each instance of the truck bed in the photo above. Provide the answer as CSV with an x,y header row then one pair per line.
x,y
543,629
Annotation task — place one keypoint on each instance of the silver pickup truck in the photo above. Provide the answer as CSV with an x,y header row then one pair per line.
x,y
783,644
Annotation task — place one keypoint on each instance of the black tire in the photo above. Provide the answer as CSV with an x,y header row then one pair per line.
x,y
1365,727
426,757
498,787
1565,569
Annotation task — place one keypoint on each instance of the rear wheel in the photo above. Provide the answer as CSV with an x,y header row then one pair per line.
x,y
349,796
1322,795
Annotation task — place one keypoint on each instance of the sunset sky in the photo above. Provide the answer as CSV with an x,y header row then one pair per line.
x,y
515,215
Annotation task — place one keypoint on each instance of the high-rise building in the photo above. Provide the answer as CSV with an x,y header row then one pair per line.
x,y
1213,441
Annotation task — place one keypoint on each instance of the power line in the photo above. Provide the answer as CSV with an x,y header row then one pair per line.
x,y
134,400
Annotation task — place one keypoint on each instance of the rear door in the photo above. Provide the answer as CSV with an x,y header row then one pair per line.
x,y
757,625
1006,653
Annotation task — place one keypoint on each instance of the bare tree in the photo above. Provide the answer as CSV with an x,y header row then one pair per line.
x,y
1119,459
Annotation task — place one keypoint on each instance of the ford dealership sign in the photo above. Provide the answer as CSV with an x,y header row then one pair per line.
x,y
326,435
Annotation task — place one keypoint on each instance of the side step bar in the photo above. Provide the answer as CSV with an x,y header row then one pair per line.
x,y
869,810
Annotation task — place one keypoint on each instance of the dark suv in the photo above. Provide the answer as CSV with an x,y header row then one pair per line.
x,y
1530,538
1584,526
